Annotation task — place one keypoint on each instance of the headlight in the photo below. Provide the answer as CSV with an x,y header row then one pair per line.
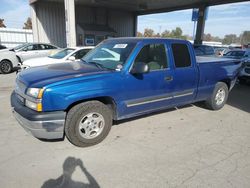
x,y
35,92
33,105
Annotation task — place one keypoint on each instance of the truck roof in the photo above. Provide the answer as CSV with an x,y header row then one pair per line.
x,y
139,39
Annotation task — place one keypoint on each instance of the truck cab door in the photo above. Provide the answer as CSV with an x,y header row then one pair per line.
x,y
185,73
152,90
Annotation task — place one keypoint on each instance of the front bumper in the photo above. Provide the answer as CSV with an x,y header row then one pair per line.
x,y
44,125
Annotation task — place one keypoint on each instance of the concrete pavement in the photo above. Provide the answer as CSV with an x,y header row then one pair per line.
x,y
185,147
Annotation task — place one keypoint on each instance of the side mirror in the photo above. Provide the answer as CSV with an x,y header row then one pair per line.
x,y
139,68
72,58
25,50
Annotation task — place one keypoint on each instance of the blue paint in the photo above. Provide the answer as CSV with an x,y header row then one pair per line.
x,y
69,83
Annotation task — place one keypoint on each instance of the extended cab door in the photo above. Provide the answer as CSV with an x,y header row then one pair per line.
x,y
152,90
185,73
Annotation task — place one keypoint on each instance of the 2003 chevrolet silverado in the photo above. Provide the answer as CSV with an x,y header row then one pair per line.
x,y
120,78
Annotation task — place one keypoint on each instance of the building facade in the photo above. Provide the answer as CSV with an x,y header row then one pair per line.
x,y
71,23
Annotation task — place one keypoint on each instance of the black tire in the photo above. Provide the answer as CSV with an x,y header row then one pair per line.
x,y
212,102
6,67
74,118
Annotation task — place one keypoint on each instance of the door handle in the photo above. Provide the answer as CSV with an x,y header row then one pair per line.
x,y
168,78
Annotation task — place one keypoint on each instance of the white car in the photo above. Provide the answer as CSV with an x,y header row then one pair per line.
x,y
34,50
8,61
62,56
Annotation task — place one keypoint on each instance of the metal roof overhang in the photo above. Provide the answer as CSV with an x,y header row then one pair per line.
x,y
141,7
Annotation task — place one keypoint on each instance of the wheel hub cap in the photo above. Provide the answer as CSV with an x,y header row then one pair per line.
x,y
5,67
220,96
91,125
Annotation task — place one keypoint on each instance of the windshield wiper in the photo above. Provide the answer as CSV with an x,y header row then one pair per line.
x,y
98,65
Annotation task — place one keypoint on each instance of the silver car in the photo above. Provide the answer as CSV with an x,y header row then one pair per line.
x,y
33,50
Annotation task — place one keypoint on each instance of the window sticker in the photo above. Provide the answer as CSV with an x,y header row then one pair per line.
x,y
120,46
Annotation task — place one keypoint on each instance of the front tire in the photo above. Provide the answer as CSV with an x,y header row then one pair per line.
x,y
5,67
219,97
88,123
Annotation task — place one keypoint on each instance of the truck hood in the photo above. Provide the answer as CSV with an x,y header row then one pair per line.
x,y
40,61
44,75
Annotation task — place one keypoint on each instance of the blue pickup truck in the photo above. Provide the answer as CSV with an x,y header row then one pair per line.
x,y
120,78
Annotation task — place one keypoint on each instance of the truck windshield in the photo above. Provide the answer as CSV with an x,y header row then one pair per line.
x,y
110,54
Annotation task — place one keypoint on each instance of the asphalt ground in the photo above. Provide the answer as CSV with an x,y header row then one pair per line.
x,y
188,146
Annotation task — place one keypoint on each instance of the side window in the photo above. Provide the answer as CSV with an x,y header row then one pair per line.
x,y
181,55
154,55
41,47
49,47
81,53
31,47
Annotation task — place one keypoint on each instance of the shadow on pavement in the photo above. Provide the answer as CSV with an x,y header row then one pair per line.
x,y
65,180
239,97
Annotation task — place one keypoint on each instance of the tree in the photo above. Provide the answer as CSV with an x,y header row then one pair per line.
x,y
207,37
148,32
28,24
229,39
139,34
2,23
176,33
165,34
245,38
157,35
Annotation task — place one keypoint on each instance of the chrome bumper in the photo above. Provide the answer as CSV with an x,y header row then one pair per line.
x,y
44,125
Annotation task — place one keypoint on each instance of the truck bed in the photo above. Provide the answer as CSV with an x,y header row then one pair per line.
x,y
201,59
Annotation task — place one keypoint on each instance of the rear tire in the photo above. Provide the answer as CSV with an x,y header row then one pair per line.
x,y
219,97
6,67
88,123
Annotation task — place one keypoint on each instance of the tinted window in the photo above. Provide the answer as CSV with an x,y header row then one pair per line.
x,y
81,53
41,47
181,55
31,47
2,47
154,55
48,47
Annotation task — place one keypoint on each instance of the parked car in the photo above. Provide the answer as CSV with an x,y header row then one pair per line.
x,y
62,56
8,61
32,50
2,47
81,99
245,73
204,50
236,54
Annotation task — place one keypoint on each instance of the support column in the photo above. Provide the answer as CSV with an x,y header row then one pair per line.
x,y
200,25
70,22
135,24
34,23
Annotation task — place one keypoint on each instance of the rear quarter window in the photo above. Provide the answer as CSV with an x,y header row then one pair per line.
x,y
181,55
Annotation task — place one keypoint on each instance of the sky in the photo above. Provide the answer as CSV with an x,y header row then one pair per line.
x,y
14,12
223,19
